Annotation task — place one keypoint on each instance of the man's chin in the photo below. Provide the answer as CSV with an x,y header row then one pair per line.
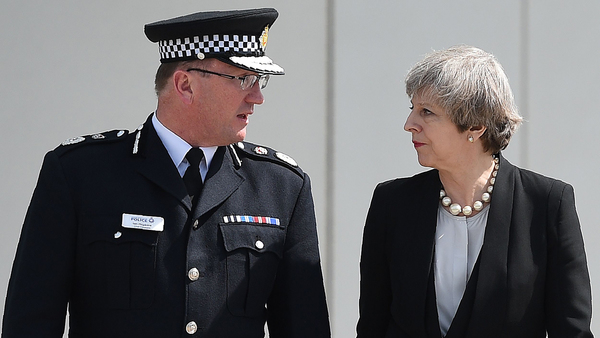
x,y
240,136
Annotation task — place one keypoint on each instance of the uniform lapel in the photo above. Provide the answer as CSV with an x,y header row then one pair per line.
x,y
491,296
222,180
157,166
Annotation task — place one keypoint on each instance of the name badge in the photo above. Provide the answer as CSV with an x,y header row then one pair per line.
x,y
151,223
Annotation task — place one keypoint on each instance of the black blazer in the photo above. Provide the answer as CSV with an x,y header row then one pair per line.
x,y
124,282
532,276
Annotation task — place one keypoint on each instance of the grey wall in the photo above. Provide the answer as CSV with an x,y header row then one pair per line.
x,y
69,68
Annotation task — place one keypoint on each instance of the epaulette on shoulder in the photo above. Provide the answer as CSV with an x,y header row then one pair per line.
x,y
79,141
247,149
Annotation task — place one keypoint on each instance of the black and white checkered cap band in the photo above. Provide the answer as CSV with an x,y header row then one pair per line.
x,y
215,44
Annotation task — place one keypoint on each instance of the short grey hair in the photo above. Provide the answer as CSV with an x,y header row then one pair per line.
x,y
166,70
470,84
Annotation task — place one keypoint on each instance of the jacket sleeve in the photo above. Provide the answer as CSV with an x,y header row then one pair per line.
x,y
568,293
375,288
41,277
297,307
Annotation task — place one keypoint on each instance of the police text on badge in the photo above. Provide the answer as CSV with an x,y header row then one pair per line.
x,y
152,223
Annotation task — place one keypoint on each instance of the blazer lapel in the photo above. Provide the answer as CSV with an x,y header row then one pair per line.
x,y
418,239
157,166
489,308
222,181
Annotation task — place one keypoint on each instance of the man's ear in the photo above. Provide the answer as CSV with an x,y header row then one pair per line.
x,y
182,83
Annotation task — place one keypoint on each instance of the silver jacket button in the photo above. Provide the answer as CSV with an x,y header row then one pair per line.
x,y
259,244
193,274
191,327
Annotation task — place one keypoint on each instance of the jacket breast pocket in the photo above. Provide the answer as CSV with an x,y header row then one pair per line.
x,y
118,265
253,255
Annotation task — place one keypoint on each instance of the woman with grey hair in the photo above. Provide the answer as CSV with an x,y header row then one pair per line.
x,y
475,247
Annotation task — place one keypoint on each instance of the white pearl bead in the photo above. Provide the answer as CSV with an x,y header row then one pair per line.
x,y
455,209
446,201
485,197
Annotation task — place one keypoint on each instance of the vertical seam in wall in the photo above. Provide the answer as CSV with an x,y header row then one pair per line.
x,y
524,78
330,155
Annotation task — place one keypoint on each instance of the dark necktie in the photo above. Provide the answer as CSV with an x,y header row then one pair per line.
x,y
192,178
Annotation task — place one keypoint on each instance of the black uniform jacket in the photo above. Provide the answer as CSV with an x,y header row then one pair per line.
x,y
246,253
531,275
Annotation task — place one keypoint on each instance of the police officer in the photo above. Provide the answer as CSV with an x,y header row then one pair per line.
x,y
141,237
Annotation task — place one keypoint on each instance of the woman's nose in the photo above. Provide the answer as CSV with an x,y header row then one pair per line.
x,y
410,125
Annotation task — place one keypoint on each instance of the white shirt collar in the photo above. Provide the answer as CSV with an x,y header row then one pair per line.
x,y
178,148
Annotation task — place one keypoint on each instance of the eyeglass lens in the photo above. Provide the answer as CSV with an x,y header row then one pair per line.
x,y
250,80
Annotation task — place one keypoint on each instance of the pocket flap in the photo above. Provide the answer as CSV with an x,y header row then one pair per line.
x,y
109,229
254,237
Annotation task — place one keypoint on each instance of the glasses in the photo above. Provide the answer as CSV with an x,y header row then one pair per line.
x,y
247,81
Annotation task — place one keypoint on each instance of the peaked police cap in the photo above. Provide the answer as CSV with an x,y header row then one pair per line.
x,y
237,37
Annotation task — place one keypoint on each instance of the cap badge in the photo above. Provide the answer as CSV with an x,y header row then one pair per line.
x,y
264,37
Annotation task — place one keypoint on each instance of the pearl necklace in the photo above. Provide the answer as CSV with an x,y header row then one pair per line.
x,y
486,197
